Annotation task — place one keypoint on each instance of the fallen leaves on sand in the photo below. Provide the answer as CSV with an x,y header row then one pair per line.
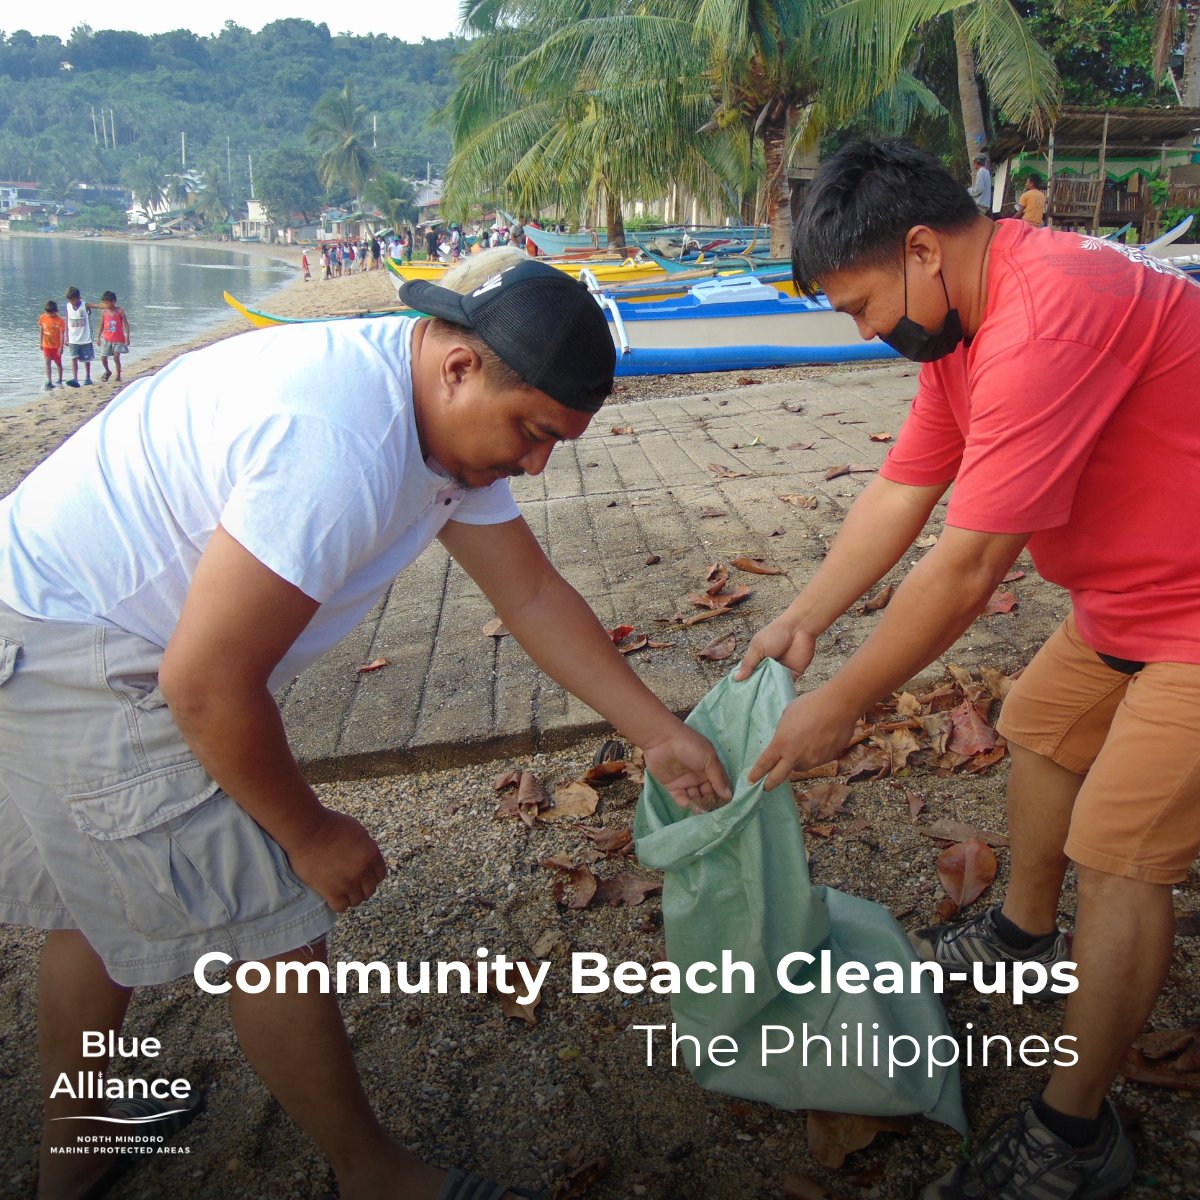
x,y
626,889
823,800
966,870
494,628
508,1000
881,599
881,437
653,560
799,500
1000,603
574,887
971,734
755,565
802,446
848,469
712,512
623,431
833,1136
613,843
946,829
574,799
619,633
375,665
720,648
580,1175
1165,1058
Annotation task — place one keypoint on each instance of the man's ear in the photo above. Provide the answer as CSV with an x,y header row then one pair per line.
x,y
458,362
924,248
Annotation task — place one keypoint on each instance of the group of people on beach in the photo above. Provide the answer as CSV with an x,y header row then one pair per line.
x,y
345,257
74,335
1030,204
161,576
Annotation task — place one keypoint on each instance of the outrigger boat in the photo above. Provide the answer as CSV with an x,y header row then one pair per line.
x,y
262,320
609,271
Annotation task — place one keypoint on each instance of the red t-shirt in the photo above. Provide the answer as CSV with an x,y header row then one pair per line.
x,y
1074,415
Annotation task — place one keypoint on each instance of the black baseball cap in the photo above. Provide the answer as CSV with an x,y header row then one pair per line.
x,y
540,322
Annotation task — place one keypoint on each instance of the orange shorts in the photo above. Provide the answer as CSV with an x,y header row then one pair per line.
x,y
1135,738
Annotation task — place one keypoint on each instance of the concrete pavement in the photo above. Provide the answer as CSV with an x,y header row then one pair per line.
x,y
602,508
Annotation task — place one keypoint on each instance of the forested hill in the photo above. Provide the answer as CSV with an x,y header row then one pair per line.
x,y
248,92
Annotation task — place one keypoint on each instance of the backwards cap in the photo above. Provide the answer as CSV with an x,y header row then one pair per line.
x,y
540,322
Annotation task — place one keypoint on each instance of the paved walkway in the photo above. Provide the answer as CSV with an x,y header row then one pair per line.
x,y
605,505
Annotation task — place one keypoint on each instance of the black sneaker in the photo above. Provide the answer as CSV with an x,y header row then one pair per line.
x,y
72,383
961,944
1020,1159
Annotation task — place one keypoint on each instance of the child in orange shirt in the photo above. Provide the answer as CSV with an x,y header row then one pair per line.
x,y
54,334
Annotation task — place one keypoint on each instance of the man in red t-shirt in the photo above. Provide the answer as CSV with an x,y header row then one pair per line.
x,y
1060,372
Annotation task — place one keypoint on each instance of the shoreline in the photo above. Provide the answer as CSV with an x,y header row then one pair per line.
x,y
29,432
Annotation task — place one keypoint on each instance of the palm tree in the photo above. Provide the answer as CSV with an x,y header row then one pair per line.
x,y
339,128
541,88
578,105
395,198
145,179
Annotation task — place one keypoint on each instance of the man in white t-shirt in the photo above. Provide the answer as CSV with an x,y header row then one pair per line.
x,y
203,539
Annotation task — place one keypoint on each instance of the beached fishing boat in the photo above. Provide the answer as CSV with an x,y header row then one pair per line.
x,y
729,324
606,271
261,320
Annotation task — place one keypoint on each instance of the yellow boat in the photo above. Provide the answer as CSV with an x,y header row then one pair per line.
x,y
605,270
263,320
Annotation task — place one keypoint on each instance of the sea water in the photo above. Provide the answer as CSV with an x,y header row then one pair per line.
x,y
170,292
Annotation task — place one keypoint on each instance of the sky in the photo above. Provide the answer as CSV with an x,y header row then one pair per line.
x,y
410,20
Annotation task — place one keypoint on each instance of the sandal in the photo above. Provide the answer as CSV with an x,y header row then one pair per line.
x,y
106,377
465,1185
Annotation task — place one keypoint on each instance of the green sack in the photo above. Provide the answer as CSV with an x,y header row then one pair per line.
x,y
736,880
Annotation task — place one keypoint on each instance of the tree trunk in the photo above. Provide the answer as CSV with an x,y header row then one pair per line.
x,y
1191,59
968,91
613,219
779,209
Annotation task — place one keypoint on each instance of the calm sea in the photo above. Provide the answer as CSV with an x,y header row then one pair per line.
x,y
170,293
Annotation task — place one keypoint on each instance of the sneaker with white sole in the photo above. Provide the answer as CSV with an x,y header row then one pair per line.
x,y
1020,1159
957,946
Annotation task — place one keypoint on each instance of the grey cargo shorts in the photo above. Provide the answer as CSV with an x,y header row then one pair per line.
x,y
109,824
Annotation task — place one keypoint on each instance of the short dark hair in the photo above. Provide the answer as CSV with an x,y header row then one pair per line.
x,y
72,292
109,296
863,202
1035,179
51,306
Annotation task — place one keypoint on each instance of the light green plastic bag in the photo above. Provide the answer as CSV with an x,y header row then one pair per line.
x,y
736,879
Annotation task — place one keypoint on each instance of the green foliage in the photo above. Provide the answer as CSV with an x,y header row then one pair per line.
x,y
286,182
255,91
1103,51
96,216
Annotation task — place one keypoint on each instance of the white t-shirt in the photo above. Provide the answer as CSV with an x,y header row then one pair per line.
x,y
299,440
79,324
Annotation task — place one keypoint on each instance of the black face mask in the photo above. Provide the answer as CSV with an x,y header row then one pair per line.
x,y
916,342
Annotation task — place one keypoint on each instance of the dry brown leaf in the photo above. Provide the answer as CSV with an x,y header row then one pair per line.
x,y
881,437
1001,602
864,762
907,705
945,829
581,1176
989,758
653,645
506,780
945,909
712,512
824,771
558,862
1013,576
638,643
938,728
880,599
1166,1058
603,773
626,889
838,472
898,745
508,1000
720,648
375,665
780,531
575,888
494,628
798,500
833,1136
802,446
725,472
756,566
823,800
653,560
966,870
971,734
574,799
622,430
615,842
820,830
720,601
620,633
915,804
